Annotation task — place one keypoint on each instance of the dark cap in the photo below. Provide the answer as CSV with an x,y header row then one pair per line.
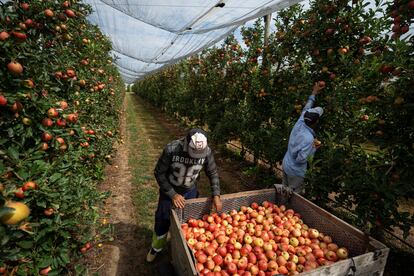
x,y
312,115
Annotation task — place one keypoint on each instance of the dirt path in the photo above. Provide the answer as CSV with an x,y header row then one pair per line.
x,y
134,191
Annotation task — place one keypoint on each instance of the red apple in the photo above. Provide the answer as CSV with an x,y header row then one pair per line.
x,y
242,263
296,232
191,222
61,122
313,233
29,185
199,245
263,265
3,101
236,254
52,113
228,258
332,247
318,253
202,258
209,264
46,136
210,250
222,251
218,260
47,122
19,193
327,239
267,246
282,270
244,251
331,256
15,68
4,35
252,258
272,265
199,267
254,269
230,248
44,146
310,257
291,266
231,268
45,271
271,255
257,249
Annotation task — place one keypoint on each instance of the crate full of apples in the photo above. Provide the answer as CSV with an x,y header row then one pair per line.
x,y
269,232
260,239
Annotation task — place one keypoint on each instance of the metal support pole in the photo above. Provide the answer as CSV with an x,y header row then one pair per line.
x,y
266,29
266,38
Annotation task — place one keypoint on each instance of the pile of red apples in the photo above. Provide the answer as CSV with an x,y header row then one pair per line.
x,y
262,239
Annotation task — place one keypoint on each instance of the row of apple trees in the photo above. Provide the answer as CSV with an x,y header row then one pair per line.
x,y
59,108
364,55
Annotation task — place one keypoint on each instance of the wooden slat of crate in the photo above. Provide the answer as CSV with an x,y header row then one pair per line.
x,y
180,253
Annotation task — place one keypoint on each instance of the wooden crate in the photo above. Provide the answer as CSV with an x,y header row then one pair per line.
x,y
367,256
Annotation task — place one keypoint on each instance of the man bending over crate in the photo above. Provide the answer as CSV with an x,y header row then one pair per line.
x,y
177,172
302,143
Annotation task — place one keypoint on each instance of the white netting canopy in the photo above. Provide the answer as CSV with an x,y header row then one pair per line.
x,y
148,35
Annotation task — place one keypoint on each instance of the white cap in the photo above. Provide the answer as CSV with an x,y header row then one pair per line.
x,y
197,145
318,110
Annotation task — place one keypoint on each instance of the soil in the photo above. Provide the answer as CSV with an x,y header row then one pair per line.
x,y
126,254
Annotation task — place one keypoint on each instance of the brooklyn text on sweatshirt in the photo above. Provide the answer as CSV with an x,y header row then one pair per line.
x,y
187,160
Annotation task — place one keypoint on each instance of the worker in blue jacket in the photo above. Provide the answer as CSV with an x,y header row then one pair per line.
x,y
302,143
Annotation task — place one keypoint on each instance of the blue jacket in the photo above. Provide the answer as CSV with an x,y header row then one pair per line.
x,y
300,145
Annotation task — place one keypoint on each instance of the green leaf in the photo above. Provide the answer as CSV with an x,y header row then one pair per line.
x,y
25,244
13,153
64,258
10,132
54,273
41,203
55,177
4,239
45,262
23,173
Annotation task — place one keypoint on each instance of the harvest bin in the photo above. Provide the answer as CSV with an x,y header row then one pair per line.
x,y
367,256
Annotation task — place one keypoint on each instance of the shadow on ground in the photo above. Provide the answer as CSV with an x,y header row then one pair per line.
x,y
133,241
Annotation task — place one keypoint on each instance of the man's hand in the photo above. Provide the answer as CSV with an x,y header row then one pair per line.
x,y
217,203
178,201
316,143
318,86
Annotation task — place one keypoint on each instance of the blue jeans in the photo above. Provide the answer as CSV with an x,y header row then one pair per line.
x,y
162,215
